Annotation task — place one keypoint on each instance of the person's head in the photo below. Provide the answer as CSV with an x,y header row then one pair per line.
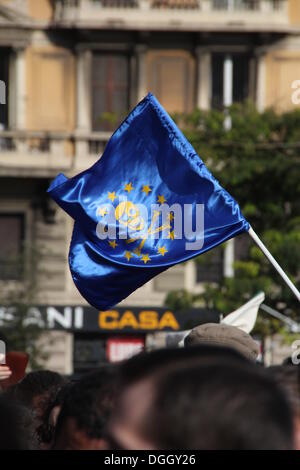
x,y
220,334
86,408
198,398
288,377
17,426
37,388
47,429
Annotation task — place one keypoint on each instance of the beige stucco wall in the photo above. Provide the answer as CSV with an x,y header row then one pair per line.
x,y
282,68
58,345
37,9
40,9
170,76
294,11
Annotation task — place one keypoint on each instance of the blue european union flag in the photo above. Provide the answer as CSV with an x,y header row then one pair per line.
x,y
147,204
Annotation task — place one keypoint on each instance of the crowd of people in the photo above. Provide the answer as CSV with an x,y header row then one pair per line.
x,y
210,394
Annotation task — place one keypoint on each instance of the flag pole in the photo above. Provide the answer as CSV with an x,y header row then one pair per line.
x,y
273,261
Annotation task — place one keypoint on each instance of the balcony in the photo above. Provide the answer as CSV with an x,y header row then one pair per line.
x,y
44,154
185,15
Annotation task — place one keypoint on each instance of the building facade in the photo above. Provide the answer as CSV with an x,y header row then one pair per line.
x,y
70,70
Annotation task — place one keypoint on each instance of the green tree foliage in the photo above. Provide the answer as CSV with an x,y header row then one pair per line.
x,y
258,162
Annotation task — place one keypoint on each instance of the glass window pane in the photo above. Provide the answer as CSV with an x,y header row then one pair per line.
x,y
99,69
110,94
4,58
240,79
210,267
11,244
217,81
120,71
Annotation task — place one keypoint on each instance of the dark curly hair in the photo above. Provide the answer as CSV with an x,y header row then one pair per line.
x,y
17,426
90,402
46,430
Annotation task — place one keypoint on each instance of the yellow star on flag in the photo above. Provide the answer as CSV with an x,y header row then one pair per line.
x,y
137,251
128,255
146,189
102,211
112,196
171,235
171,216
113,244
162,250
128,187
161,199
145,258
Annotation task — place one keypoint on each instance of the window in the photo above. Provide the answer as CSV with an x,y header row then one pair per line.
x,y
184,4
89,352
242,245
11,246
116,3
110,95
210,266
277,4
4,58
235,4
240,79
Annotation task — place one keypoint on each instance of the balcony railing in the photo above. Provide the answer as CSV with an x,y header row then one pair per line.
x,y
205,5
50,150
232,5
91,143
50,142
157,13
31,142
